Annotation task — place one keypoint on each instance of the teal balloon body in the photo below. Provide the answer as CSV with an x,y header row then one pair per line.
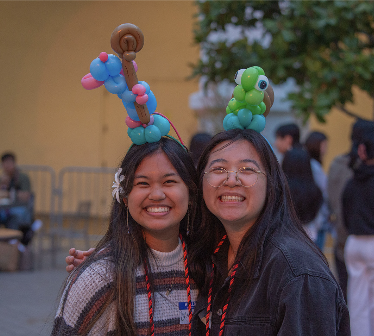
x,y
245,117
231,121
137,135
162,124
227,117
258,123
152,133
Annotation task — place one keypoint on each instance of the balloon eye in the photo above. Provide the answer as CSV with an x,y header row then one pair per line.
x,y
238,76
262,83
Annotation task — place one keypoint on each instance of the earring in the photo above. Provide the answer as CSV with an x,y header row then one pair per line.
x,y
127,220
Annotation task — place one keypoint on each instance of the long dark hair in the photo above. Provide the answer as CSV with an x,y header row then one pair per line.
x,y
313,145
306,196
128,251
277,212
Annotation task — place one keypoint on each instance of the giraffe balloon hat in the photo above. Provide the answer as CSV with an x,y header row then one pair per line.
x,y
118,75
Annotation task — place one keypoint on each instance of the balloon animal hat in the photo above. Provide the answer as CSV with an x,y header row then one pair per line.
x,y
119,77
251,102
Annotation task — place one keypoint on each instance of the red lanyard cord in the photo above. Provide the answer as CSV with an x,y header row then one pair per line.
x,y
188,287
150,303
209,307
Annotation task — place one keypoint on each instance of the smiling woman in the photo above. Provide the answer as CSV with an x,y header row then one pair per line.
x,y
137,282
158,201
260,274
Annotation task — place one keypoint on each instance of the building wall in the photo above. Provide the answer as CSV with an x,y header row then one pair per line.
x,y
47,47
338,125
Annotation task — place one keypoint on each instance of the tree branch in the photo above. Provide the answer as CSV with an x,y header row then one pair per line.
x,y
349,113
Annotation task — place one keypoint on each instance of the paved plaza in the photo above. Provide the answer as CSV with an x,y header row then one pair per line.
x,y
28,300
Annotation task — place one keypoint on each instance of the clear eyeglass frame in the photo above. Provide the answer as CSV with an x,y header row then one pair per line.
x,y
240,170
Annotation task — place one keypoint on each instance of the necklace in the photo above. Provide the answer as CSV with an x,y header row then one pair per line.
x,y
188,288
224,309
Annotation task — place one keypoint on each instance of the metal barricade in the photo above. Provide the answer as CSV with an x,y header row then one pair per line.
x,y
83,204
43,186
74,208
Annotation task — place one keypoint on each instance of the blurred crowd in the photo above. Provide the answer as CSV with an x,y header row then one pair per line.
x,y
341,203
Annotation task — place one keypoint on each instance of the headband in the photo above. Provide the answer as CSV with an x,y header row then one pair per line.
x,y
118,75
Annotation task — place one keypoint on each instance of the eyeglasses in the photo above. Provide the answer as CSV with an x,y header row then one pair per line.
x,y
246,176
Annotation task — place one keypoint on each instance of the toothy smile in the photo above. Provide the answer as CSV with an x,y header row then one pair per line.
x,y
226,198
158,209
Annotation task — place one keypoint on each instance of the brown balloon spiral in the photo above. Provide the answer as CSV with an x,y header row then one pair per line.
x,y
126,40
268,99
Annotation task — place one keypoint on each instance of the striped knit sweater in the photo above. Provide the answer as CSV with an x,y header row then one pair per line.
x,y
85,291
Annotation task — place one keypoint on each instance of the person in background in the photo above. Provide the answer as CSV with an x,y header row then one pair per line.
x,y
340,172
197,145
16,191
358,215
316,146
306,196
286,137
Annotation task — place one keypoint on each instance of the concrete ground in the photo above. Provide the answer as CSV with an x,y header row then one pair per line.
x,y
28,301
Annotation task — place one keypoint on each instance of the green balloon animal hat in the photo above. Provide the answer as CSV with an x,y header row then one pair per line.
x,y
251,102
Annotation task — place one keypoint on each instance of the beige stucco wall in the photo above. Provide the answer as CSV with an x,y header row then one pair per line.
x,y
46,48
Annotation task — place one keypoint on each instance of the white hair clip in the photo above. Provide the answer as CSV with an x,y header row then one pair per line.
x,y
118,178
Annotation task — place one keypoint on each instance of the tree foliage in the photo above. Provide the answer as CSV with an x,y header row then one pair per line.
x,y
326,46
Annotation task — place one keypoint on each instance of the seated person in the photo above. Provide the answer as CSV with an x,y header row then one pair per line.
x,y
15,186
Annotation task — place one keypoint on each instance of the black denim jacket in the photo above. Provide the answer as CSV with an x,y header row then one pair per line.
x,y
292,293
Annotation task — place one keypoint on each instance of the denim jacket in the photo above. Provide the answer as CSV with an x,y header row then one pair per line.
x,y
292,293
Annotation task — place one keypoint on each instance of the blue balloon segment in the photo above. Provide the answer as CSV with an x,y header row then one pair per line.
x,y
98,70
137,136
258,123
116,85
130,108
113,65
162,124
128,97
146,85
152,133
151,103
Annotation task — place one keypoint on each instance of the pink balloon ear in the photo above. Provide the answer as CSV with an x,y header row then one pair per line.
x,y
90,83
